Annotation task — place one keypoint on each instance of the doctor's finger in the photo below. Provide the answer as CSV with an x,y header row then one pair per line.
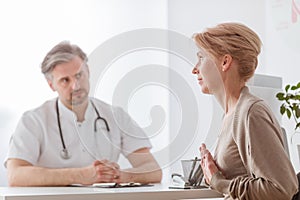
x,y
100,162
108,174
106,178
115,165
106,163
104,168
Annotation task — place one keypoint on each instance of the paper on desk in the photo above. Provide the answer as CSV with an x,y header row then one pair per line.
x,y
113,185
120,185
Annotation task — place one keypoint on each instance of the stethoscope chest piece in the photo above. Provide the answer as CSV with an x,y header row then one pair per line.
x,y
64,154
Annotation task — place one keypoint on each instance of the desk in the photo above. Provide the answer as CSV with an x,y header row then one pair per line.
x,y
158,191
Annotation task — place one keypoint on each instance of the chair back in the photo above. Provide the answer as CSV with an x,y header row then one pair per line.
x,y
285,140
297,195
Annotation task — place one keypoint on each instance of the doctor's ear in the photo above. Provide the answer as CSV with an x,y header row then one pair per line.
x,y
50,83
226,62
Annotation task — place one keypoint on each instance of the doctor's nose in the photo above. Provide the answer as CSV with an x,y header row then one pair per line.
x,y
75,84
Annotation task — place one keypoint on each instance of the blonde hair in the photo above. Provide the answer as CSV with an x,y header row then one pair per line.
x,y
236,39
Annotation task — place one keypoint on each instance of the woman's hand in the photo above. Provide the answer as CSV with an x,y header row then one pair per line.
x,y
208,164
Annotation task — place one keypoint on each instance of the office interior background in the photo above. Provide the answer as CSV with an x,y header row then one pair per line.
x,y
29,29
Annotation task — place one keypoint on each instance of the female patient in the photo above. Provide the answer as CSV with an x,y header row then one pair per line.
x,y
250,161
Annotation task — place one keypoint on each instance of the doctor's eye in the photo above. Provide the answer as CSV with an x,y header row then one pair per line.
x,y
64,81
78,76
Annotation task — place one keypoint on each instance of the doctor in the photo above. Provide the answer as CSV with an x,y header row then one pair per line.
x,y
76,139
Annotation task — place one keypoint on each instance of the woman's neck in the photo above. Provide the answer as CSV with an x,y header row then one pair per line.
x,y
232,97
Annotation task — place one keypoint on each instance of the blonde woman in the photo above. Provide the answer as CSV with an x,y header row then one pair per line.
x,y
249,161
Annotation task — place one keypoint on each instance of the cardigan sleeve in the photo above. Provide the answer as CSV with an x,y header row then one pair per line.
x,y
271,174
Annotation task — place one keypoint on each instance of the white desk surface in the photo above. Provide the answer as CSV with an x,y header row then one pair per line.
x,y
158,191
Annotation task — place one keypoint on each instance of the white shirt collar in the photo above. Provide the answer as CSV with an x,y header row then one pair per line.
x,y
69,114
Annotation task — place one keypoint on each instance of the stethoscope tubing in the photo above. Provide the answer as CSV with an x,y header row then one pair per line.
x,y
64,152
59,126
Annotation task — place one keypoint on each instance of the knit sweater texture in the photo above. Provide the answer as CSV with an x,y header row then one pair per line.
x,y
250,154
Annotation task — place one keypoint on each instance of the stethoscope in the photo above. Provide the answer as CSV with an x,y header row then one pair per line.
x,y
64,154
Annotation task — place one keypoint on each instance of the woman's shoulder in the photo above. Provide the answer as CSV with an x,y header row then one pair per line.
x,y
248,101
251,107
248,106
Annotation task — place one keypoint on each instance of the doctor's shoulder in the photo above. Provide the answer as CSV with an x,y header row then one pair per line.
x,y
42,112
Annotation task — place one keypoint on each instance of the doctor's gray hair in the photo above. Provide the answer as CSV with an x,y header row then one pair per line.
x,y
61,53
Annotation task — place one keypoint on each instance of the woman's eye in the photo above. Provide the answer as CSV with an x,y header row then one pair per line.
x,y
200,58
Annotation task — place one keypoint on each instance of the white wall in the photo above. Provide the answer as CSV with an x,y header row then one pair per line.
x,y
282,44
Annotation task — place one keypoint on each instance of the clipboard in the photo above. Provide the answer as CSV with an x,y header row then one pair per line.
x,y
187,187
120,185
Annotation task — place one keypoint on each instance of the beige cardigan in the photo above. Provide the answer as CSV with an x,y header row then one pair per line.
x,y
250,155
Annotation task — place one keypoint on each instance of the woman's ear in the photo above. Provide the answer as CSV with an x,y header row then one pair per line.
x,y
226,62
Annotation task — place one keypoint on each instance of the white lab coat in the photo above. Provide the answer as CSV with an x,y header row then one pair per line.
x,y
37,139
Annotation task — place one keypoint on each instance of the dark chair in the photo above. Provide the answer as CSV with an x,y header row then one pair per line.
x,y
297,195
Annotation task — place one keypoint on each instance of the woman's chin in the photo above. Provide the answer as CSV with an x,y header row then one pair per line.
x,y
205,90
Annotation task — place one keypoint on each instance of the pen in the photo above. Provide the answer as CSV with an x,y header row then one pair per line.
x,y
192,170
197,176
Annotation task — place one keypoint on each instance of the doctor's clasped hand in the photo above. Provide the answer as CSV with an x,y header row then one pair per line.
x,y
101,171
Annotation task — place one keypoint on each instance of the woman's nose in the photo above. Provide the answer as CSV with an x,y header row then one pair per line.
x,y
195,70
